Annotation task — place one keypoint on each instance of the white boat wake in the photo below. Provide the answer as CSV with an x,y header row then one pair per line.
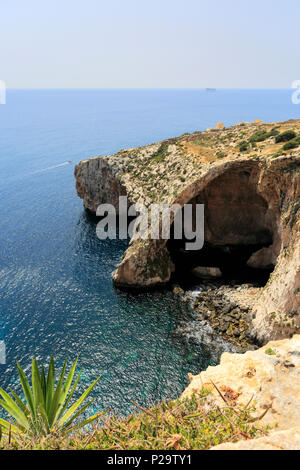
x,y
51,168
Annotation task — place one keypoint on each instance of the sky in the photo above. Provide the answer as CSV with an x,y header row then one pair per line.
x,y
149,43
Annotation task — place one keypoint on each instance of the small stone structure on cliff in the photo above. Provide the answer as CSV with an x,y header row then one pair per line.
x,y
248,178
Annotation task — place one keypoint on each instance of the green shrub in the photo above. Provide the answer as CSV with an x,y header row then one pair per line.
x,y
270,352
160,155
259,136
244,146
46,409
285,136
274,132
276,155
221,155
292,144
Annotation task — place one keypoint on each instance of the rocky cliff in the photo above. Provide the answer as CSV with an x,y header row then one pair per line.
x,y
269,379
248,178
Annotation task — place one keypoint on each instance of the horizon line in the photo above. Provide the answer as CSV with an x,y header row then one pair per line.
x,y
143,89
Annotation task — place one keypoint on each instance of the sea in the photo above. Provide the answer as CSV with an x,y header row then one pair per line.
x,y
56,292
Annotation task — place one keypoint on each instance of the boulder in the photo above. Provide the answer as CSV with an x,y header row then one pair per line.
x,y
203,272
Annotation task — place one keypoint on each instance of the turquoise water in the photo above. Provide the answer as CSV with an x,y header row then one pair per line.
x,y
56,293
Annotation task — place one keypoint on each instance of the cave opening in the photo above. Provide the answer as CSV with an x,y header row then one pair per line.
x,y
239,232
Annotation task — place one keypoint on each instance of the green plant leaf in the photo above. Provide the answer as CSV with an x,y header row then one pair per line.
x,y
15,412
10,402
43,383
50,385
44,418
75,415
37,386
70,395
76,405
26,390
55,404
88,421
19,402
7,425
66,388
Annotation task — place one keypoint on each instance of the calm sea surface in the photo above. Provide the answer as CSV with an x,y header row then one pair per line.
x,y
56,292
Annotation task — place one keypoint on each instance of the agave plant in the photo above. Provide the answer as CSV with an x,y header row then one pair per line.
x,y
46,409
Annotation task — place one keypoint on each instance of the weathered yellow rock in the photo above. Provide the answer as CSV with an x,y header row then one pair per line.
x,y
203,272
271,381
281,440
220,125
257,121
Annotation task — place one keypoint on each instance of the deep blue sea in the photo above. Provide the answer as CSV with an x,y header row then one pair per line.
x,y
56,292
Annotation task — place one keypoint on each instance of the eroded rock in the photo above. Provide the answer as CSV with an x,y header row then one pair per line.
x,y
268,377
203,272
250,198
280,440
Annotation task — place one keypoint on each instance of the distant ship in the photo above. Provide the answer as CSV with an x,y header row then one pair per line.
x,y
211,89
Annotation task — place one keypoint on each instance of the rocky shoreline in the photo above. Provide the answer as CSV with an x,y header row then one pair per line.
x,y
225,308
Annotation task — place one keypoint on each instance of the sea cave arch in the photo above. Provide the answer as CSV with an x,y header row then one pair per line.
x,y
241,229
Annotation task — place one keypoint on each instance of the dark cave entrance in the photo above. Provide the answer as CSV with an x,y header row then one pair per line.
x,y
238,226
231,260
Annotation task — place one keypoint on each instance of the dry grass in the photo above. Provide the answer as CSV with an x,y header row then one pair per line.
x,y
174,425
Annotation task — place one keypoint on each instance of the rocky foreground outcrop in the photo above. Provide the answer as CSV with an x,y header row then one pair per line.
x,y
268,378
248,178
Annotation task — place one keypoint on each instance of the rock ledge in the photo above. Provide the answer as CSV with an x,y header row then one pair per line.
x,y
270,377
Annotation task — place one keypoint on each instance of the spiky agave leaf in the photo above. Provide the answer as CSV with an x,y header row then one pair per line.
x,y
46,409
13,409
77,404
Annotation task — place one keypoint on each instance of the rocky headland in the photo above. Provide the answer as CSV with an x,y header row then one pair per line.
x,y
248,178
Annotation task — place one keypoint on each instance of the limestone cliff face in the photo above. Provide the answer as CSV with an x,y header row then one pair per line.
x,y
98,182
251,197
269,378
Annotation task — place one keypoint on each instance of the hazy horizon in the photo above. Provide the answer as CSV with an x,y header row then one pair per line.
x,y
173,44
145,89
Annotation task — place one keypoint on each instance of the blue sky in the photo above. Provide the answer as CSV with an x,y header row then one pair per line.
x,y
149,44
